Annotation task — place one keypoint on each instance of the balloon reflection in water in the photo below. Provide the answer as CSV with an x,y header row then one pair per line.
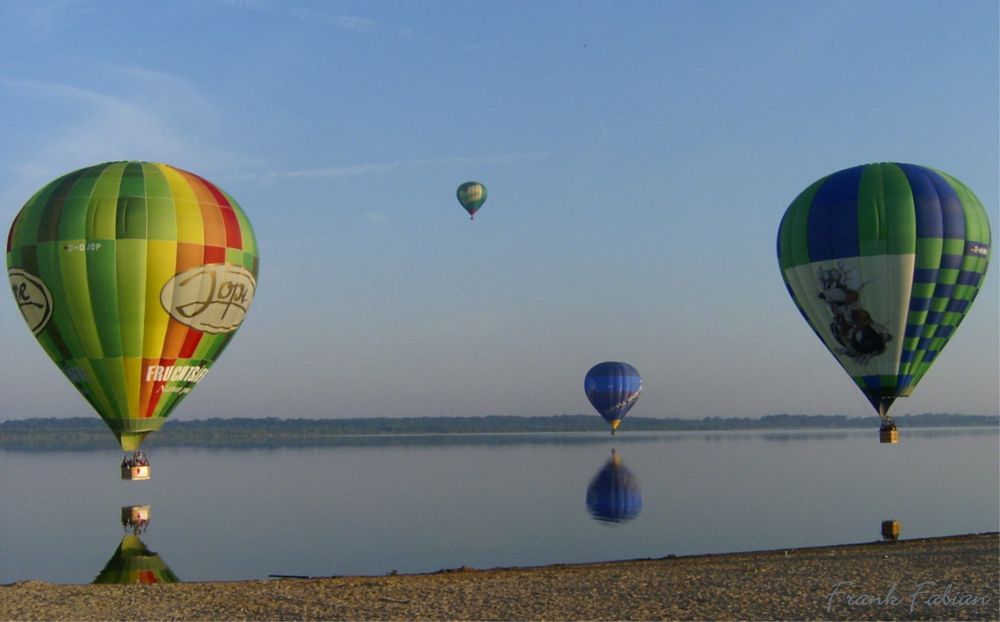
x,y
132,561
614,495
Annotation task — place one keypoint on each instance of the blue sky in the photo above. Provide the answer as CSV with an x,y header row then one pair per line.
x,y
639,157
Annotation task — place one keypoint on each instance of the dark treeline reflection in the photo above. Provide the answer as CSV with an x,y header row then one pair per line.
x,y
90,432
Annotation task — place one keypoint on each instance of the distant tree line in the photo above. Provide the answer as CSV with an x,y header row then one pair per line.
x,y
91,433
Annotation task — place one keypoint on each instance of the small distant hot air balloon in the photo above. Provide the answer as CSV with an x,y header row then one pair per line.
x,y
614,495
471,195
884,261
133,276
612,389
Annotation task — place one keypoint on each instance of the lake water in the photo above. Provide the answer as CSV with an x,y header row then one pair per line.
x,y
423,504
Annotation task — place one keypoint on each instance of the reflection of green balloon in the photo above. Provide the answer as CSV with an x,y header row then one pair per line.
x,y
884,261
133,276
134,563
472,195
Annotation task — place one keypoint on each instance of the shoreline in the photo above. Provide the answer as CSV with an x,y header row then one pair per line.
x,y
951,577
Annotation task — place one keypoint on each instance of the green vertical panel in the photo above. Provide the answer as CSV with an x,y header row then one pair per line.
x,y
103,286
156,183
111,374
52,208
131,218
77,205
900,214
47,254
131,276
794,238
886,217
161,219
94,392
73,268
132,181
872,224
30,217
977,225
102,218
73,225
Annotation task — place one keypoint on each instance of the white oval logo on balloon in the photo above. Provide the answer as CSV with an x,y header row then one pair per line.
x,y
33,298
212,299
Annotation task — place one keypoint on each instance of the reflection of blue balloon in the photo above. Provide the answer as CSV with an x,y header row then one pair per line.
x,y
612,388
614,495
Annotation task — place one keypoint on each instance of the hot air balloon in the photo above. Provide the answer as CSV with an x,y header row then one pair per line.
x,y
133,276
884,261
614,495
471,195
612,389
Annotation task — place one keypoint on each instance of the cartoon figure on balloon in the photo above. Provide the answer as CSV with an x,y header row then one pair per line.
x,y
853,327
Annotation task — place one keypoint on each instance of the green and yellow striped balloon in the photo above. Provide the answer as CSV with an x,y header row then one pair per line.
x,y
133,276
884,261
471,195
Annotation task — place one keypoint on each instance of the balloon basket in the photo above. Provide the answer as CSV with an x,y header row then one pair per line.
x,y
135,473
888,435
890,530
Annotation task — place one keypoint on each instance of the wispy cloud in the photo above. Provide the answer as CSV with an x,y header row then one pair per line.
x,y
357,170
78,125
314,14
341,172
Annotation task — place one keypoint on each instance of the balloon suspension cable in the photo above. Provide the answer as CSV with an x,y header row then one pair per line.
x,y
883,412
136,459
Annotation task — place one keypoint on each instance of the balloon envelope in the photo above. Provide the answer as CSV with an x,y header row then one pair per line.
x,y
612,388
133,276
471,195
884,261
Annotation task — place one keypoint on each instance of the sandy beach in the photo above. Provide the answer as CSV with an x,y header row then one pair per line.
x,y
954,578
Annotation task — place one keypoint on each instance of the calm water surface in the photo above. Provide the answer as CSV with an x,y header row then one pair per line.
x,y
419,505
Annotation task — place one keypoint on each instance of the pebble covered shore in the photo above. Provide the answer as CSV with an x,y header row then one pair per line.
x,y
953,578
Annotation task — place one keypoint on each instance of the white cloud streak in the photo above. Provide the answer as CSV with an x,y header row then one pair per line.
x,y
312,14
357,170
83,125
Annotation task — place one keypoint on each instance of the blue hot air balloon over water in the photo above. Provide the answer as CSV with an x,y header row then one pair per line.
x,y
612,389
884,261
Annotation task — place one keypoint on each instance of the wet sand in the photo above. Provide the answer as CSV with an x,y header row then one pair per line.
x,y
953,578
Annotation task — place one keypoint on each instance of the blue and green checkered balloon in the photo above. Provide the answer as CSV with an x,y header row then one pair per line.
x,y
884,261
